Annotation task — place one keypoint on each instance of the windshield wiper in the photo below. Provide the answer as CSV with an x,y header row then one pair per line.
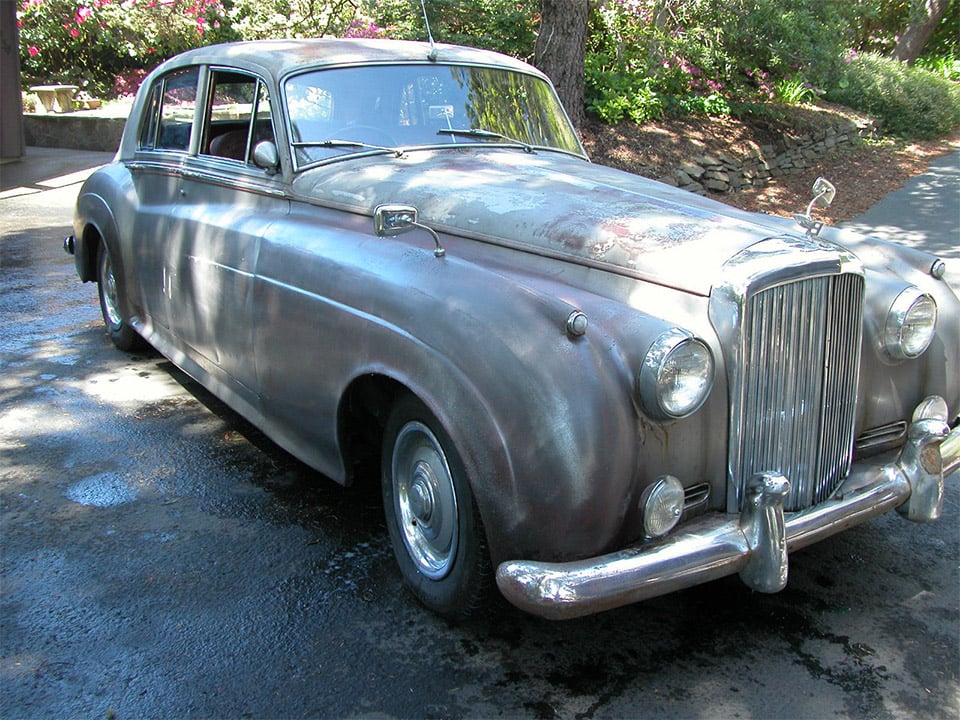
x,y
347,143
487,134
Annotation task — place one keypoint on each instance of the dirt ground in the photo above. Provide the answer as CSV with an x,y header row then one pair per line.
x,y
863,173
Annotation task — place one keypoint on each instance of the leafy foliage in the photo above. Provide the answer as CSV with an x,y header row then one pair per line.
x,y
700,55
645,58
882,21
911,101
794,91
260,19
507,26
947,66
91,42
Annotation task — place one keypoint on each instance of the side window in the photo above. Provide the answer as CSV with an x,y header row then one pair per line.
x,y
263,119
151,117
237,115
169,116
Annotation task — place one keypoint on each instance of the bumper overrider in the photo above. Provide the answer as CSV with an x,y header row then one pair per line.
x,y
754,544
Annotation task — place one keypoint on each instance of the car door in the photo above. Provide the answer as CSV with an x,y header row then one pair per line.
x,y
156,174
225,206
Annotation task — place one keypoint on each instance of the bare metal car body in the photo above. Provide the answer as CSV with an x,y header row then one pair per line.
x,y
528,299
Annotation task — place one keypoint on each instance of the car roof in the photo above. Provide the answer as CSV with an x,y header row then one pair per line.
x,y
280,57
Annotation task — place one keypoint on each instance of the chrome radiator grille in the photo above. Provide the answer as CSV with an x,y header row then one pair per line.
x,y
795,411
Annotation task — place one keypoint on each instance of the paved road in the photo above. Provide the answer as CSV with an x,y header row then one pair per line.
x,y
160,558
924,213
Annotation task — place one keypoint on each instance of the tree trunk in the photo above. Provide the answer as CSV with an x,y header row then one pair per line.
x,y
923,21
560,49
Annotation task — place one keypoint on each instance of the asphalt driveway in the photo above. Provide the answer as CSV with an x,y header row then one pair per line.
x,y
161,558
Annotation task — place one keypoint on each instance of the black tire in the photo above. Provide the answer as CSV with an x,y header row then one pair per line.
x,y
119,330
434,525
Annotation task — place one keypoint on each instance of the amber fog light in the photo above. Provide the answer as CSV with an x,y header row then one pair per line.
x,y
662,504
910,325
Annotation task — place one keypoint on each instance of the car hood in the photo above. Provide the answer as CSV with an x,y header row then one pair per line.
x,y
554,204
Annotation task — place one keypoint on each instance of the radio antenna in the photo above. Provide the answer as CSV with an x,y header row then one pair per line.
x,y
432,55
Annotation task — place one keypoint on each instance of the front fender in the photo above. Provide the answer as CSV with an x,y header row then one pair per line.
x,y
545,421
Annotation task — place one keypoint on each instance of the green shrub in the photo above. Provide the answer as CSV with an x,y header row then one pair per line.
x,y
947,66
714,105
613,96
699,56
795,91
911,102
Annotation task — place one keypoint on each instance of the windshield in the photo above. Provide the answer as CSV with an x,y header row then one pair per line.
x,y
344,111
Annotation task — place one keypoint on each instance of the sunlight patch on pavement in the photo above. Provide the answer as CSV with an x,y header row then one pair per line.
x,y
128,387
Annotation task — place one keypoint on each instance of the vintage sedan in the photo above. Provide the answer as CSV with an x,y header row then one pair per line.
x,y
397,260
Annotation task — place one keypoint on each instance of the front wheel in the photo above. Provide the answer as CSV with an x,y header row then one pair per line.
x,y
119,330
432,518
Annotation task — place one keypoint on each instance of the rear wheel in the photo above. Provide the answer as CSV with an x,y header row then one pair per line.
x,y
119,330
433,521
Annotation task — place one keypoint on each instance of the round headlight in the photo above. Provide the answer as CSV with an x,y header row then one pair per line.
x,y
662,505
910,326
676,375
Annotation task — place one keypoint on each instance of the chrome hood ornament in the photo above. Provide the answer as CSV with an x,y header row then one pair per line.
x,y
823,191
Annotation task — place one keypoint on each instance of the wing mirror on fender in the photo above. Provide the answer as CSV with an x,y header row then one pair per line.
x,y
392,220
823,191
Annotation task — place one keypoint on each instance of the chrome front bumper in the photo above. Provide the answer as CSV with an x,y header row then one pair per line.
x,y
754,544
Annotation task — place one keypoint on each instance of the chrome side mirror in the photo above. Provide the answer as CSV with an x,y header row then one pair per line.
x,y
265,156
823,192
392,220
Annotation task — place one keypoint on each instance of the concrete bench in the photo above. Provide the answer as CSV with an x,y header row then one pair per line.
x,y
56,98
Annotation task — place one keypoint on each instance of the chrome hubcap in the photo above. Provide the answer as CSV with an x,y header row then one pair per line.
x,y
421,499
111,300
424,500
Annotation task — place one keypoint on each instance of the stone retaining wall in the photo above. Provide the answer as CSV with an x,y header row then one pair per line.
x,y
75,131
719,173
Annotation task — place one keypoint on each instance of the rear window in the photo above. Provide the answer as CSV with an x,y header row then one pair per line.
x,y
168,119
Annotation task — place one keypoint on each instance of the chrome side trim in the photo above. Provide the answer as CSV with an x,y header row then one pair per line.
x,y
717,545
229,177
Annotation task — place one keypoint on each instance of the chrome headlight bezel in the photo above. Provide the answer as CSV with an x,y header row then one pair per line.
x,y
910,325
675,351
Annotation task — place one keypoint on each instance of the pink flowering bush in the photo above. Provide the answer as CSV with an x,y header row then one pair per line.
x,y
127,83
368,29
90,43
